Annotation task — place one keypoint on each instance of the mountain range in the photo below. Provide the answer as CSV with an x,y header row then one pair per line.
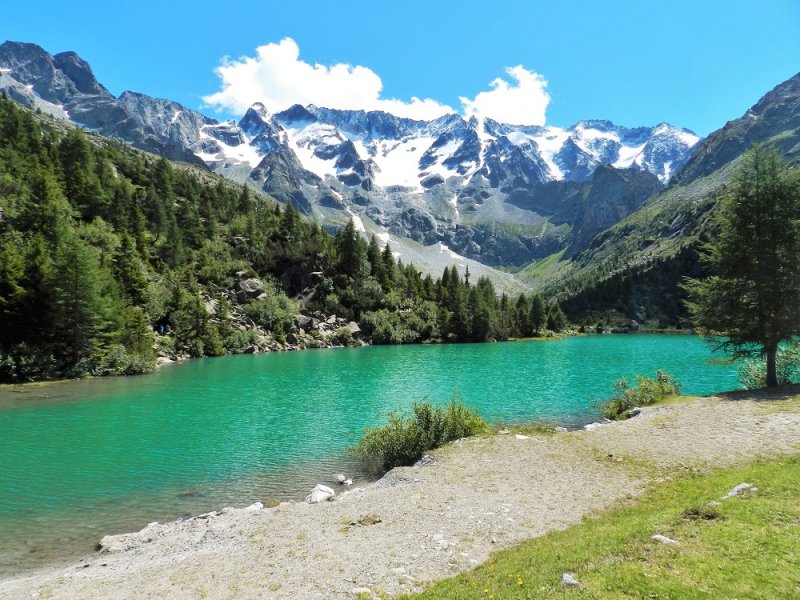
x,y
498,193
601,215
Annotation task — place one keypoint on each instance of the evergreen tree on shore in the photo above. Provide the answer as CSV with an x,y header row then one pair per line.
x,y
752,302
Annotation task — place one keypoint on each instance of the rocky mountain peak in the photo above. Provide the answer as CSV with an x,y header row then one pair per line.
x,y
79,71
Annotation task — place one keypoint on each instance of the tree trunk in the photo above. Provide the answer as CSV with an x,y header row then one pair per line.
x,y
772,369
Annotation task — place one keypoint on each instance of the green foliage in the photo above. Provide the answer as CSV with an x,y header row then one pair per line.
x,y
274,312
101,245
753,372
407,436
752,302
647,391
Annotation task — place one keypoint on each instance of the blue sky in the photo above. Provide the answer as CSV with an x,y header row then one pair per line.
x,y
695,64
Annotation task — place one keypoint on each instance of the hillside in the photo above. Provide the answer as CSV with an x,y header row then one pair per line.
x,y
112,259
469,184
636,265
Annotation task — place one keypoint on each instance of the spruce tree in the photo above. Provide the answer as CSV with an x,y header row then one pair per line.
x,y
752,302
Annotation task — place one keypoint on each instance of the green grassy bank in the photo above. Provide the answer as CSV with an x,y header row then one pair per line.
x,y
747,546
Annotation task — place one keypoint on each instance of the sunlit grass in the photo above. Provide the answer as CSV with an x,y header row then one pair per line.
x,y
747,547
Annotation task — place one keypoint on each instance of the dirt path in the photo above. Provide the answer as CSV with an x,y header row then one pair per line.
x,y
424,523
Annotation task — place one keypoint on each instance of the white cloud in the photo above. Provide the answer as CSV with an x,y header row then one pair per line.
x,y
278,78
523,103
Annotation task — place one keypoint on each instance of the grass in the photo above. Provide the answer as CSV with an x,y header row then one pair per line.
x,y
409,435
744,547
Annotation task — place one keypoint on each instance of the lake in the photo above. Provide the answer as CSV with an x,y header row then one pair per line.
x,y
79,460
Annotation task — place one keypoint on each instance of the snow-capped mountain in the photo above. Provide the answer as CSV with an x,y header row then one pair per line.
x,y
474,183
376,149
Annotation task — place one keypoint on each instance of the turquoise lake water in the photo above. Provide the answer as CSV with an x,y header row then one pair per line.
x,y
80,460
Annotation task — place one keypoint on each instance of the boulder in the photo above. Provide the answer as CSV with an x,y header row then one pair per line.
x,y
353,328
292,339
663,539
251,287
302,321
319,493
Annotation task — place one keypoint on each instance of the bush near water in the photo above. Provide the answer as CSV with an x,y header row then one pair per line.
x,y
648,391
408,435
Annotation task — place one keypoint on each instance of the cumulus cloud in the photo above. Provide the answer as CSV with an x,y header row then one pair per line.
x,y
278,78
521,103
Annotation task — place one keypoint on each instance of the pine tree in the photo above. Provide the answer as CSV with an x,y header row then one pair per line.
x,y
538,314
752,303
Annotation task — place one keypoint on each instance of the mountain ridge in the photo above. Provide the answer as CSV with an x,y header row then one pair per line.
x,y
449,180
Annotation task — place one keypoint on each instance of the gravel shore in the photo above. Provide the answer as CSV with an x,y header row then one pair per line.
x,y
423,523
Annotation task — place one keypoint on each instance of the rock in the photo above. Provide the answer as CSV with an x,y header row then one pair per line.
x,y
592,426
303,321
399,571
292,339
319,493
425,461
738,490
569,579
503,432
256,506
331,320
251,287
249,350
341,478
519,436
353,328
635,412
663,539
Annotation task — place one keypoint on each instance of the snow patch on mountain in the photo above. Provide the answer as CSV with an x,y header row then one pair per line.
x,y
239,153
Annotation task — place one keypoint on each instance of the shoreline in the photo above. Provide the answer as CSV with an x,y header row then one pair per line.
x,y
363,479
423,523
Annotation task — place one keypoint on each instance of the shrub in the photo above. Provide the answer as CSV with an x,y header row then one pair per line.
x,y
275,312
408,435
649,391
236,341
753,373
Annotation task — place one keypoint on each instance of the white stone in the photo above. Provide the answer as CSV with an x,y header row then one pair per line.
x,y
569,579
522,437
357,591
737,490
255,506
319,493
341,478
663,539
